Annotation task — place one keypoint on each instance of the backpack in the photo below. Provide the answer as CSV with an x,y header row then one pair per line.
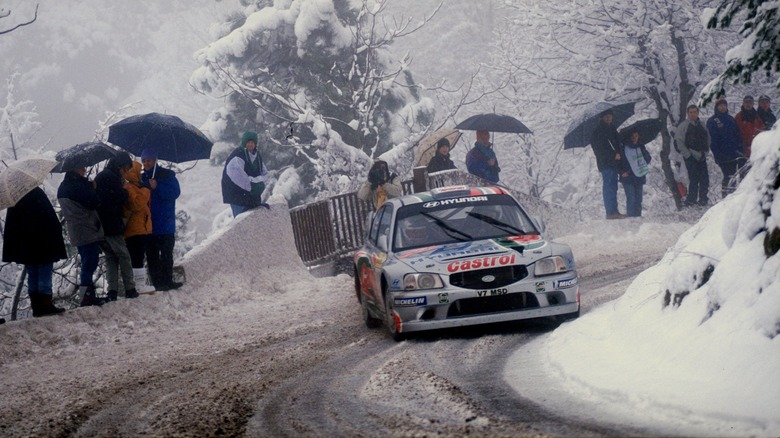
x,y
696,137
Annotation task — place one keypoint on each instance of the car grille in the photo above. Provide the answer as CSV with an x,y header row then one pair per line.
x,y
495,304
504,276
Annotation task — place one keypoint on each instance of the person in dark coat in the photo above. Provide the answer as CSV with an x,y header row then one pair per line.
x,y
33,238
109,186
79,201
765,112
726,145
159,246
633,170
481,160
441,159
606,146
693,142
749,123
244,176
381,185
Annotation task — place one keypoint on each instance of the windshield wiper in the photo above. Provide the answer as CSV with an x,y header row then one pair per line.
x,y
447,228
496,223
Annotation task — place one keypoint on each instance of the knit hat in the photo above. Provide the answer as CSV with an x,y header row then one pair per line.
x,y
722,100
248,135
763,97
442,142
149,154
748,98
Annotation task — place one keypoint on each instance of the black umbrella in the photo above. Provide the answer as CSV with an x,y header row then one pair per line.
x,y
83,155
578,134
648,130
493,123
172,138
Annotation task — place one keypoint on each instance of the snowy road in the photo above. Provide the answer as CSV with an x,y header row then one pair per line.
x,y
292,358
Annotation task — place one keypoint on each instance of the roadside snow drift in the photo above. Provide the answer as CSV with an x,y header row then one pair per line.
x,y
693,343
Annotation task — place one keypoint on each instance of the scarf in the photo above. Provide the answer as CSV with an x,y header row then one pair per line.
x,y
636,159
486,151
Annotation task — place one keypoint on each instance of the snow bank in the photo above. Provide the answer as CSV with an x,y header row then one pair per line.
x,y
253,254
694,340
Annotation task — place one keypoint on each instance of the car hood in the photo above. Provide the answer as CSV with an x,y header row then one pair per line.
x,y
478,254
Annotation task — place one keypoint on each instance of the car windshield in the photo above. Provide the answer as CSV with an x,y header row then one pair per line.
x,y
472,218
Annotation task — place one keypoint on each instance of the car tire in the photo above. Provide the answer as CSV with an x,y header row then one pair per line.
x,y
370,321
390,318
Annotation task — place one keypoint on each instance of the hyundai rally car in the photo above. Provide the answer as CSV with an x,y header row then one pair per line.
x,y
459,256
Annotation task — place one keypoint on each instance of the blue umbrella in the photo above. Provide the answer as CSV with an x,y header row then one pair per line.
x,y
173,139
578,134
83,155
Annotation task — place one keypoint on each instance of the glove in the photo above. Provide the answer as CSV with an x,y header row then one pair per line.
x,y
257,189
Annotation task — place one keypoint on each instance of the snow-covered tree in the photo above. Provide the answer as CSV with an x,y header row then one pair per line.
x,y
18,122
568,55
760,48
315,79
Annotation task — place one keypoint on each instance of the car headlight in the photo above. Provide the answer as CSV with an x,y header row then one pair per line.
x,y
549,266
422,281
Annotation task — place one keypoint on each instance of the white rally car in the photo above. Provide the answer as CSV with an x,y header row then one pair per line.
x,y
460,256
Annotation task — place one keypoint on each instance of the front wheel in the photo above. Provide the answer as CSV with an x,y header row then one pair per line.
x,y
392,321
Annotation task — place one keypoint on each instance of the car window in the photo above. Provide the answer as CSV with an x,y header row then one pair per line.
x,y
374,231
437,223
385,216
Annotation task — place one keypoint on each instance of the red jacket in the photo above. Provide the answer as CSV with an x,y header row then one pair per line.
x,y
749,126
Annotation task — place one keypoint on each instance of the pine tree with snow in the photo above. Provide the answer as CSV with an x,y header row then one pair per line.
x,y
315,80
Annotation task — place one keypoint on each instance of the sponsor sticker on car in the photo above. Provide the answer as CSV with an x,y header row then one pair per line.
x,y
410,302
569,282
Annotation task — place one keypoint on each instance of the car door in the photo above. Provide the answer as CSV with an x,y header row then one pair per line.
x,y
375,253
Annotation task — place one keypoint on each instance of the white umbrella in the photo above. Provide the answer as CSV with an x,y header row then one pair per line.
x,y
20,177
426,148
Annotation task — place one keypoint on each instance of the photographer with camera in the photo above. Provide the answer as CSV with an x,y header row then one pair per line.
x,y
381,185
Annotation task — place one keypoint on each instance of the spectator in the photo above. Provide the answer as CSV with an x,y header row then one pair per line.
x,y
244,176
606,147
159,246
138,226
79,202
765,112
749,123
441,159
726,145
112,196
481,159
632,173
693,142
33,238
381,185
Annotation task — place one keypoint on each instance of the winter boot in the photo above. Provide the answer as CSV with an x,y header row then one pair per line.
x,y
47,305
35,304
88,296
142,283
131,293
113,295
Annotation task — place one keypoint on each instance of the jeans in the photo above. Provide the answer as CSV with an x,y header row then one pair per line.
x,y
89,254
117,262
238,209
699,185
609,189
730,169
39,278
633,199
159,256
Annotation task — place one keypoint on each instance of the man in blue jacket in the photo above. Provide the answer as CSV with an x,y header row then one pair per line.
x,y
159,248
481,160
726,145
